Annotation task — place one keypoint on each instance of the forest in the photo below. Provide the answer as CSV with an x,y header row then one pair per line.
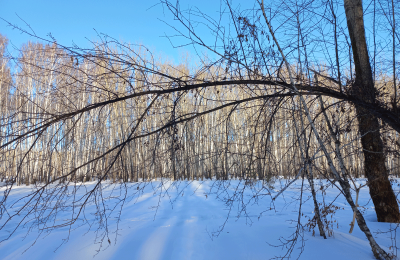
x,y
285,94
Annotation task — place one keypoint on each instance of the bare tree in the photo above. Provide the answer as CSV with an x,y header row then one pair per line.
x,y
386,207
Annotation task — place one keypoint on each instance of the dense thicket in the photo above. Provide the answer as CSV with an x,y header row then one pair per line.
x,y
251,134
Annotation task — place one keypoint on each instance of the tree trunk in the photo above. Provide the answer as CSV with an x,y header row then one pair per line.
x,y
383,197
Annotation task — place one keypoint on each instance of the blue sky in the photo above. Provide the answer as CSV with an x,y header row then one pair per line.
x,y
74,21
134,21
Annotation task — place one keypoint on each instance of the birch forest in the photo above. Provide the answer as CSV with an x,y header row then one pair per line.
x,y
221,132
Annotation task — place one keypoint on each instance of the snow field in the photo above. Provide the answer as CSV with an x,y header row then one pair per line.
x,y
183,220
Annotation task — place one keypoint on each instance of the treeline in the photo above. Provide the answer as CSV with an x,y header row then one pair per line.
x,y
58,125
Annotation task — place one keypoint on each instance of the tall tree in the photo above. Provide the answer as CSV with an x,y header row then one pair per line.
x,y
383,197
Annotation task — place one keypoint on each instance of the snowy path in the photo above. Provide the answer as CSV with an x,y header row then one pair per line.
x,y
183,229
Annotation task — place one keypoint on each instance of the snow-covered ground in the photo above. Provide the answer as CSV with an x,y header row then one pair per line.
x,y
183,221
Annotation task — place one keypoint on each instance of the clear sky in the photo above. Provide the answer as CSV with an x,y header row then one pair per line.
x,y
75,21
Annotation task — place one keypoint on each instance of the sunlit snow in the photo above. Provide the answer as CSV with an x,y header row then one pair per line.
x,y
195,220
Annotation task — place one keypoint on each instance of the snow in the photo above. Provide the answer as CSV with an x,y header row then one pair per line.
x,y
184,220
